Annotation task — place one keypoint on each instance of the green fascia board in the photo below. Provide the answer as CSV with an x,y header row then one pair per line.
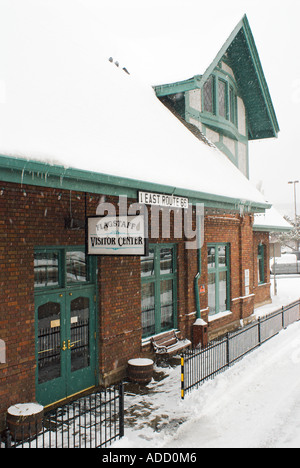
x,y
177,87
260,74
257,99
29,172
262,228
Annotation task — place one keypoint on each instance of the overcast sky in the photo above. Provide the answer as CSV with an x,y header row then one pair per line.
x,y
165,31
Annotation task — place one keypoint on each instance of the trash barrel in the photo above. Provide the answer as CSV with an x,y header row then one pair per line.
x,y
140,370
25,420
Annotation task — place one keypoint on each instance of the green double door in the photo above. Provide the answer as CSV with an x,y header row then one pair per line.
x,y
65,343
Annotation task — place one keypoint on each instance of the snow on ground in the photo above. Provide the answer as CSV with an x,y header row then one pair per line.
x,y
288,290
254,404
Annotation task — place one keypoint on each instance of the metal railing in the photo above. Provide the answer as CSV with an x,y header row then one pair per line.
x,y
92,421
199,365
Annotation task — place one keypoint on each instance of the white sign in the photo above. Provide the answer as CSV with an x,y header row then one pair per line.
x,y
247,277
2,352
160,199
116,235
247,282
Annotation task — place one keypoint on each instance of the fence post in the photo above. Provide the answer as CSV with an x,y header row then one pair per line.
x,y
121,409
227,350
283,321
259,331
182,377
7,439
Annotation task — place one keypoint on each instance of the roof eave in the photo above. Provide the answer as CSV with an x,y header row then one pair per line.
x,y
29,172
274,228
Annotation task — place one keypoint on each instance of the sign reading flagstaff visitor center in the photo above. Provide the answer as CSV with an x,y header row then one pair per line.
x,y
116,235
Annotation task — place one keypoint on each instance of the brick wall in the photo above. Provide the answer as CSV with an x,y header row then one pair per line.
x,y
237,232
30,217
37,216
225,228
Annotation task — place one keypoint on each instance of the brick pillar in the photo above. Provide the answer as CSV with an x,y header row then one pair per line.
x,y
246,265
200,333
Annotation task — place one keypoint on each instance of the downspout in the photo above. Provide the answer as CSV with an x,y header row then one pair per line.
x,y
198,275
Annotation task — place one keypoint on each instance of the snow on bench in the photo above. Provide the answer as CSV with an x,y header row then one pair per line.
x,y
169,344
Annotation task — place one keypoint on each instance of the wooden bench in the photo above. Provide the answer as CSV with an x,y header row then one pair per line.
x,y
169,344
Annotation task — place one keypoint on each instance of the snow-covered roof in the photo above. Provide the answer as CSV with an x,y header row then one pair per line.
x,y
270,221
65,103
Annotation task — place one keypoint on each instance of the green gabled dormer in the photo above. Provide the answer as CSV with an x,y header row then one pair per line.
x,y
230,103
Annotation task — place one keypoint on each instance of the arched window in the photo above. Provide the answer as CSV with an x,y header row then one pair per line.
x,y
261,264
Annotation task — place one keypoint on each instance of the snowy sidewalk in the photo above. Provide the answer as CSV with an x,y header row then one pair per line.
x,y
256,403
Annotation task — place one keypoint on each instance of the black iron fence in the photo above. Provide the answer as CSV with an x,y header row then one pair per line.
x,y
92,421
199,365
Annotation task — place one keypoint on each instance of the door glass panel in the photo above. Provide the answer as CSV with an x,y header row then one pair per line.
x,y
49,360
80,318
211,293
222,291
147,265
166,261
222,255
211,257
76,266
148,309
166,303
46,272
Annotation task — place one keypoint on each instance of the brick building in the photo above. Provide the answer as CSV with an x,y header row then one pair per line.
x,y
70,321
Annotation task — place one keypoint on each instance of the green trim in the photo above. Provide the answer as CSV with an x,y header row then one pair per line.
x,y
271,228
214,120
69,381
157,278
261,263
63,284
216,270
198,275
24,172
177,87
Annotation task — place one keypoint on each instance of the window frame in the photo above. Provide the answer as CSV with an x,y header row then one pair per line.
x,y
63,282
261,264
231,114
223,82
211,79
218,269
156,279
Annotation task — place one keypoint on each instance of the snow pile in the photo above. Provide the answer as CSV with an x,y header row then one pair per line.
x,y
288,291
287,258
271,219
67,103
25,409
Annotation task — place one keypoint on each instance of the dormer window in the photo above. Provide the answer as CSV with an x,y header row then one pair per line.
x,y
208,95
220,98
